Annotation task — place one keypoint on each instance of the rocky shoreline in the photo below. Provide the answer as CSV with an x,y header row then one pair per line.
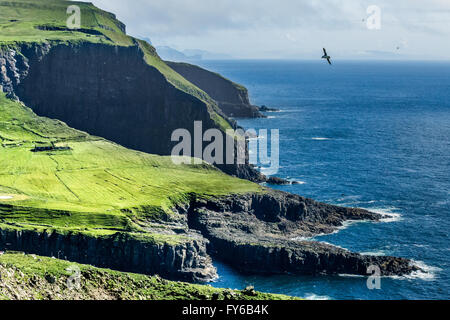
x,y
185,261
110,90
31,277
254,234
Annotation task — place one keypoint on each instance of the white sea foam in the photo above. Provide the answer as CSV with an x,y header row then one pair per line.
x,y
312,296
427,273
320,138
331,244
369,202
314,238
345,275
302,239
287,110
393,217
353,200
349,223
420,245
373,253
387,214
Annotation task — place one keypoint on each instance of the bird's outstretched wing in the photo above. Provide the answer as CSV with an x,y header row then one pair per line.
x,y
329,61
325,51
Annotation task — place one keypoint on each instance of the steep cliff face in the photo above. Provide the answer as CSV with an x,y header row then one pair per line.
x,y
112,99
232,98
254,233
99,203
186,260
109,91
31,277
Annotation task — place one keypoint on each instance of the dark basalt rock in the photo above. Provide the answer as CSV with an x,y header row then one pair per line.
x,y
236,110
232,98
187,261
304,258
256,234
278,181
107,91
49,148
267,109
82,30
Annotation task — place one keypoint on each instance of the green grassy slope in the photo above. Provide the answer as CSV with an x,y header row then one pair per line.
x,y
30,277
92,186
22,21
105,187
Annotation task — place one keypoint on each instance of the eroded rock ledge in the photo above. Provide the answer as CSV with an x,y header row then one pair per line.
x,y
255,234
186,260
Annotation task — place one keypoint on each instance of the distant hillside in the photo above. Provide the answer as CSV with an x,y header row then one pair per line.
x,y
232,98
188,55
168,53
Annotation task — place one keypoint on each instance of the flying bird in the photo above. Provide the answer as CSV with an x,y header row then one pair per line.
x,y
326,56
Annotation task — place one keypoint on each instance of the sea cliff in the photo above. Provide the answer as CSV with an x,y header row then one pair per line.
x,y
92,185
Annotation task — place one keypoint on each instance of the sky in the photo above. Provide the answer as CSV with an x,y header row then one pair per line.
x,y
293,29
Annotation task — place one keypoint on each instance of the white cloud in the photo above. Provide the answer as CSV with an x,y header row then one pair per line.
x,y
267,28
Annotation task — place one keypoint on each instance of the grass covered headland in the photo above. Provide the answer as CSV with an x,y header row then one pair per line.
x,y
75,196
31,277
52,176
77,189
92,185
28,22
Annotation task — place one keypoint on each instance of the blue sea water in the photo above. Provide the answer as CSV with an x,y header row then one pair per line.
x,y
374,135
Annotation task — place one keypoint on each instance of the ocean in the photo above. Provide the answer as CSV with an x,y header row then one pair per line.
x,y
374,135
